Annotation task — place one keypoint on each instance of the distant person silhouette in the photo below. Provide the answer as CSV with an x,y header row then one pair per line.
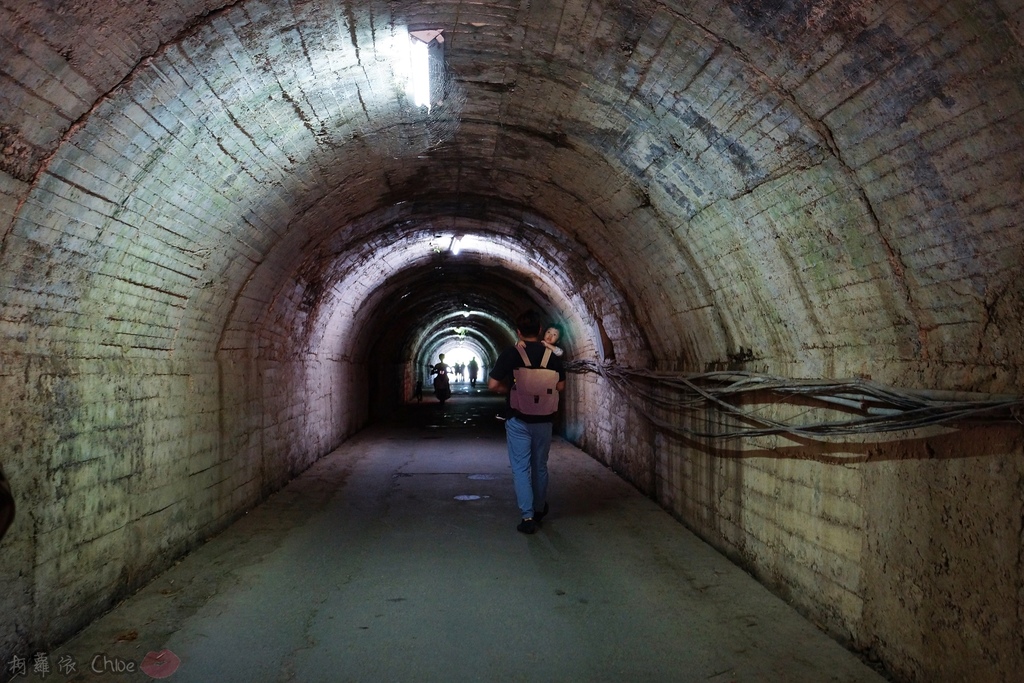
x,y
442,388
440,367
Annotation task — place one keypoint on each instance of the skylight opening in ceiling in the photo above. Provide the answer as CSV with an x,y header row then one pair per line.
x,y
417,85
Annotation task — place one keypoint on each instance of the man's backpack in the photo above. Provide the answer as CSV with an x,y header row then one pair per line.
x,y
533,391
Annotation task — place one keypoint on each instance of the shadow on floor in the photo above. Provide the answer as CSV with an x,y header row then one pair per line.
x,y
468,408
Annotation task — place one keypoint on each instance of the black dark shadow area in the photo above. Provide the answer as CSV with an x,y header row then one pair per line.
x,y
469,409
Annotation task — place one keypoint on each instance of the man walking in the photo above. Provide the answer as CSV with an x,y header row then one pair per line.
x,y
533,379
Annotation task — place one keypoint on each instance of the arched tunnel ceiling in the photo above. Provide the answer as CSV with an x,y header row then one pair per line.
x,y
707,178
410,309
420,309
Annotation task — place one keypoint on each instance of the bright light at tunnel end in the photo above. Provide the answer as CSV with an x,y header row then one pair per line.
x,y
459,354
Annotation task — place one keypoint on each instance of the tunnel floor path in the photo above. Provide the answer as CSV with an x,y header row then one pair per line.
x,y
396,558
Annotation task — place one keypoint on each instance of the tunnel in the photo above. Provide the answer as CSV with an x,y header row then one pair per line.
x,y
234,234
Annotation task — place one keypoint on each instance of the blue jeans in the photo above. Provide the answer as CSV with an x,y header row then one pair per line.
x,y
528,446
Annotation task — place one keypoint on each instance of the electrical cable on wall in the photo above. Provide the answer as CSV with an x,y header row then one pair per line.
x,y
662,396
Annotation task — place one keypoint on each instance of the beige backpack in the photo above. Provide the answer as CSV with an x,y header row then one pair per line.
x,y
533,389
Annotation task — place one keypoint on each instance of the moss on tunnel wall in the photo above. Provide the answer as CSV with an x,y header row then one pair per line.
x,y
110,461
906,550
132,463
904,547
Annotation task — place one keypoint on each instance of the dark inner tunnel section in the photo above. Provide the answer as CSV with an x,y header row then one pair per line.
x,y
417,312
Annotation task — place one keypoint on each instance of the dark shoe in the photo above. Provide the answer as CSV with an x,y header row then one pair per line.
x,y
541,514
527,526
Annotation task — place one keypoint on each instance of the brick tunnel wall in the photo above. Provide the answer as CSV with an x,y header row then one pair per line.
x,y
821,190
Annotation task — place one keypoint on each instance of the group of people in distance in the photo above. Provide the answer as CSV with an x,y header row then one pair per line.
x,y
459,370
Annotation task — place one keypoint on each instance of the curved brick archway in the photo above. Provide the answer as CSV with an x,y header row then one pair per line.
x,y
217,216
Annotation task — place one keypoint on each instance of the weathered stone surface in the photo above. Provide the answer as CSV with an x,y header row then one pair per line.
x,y
220,221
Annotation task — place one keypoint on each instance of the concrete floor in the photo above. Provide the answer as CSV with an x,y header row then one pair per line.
x,y
371,567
